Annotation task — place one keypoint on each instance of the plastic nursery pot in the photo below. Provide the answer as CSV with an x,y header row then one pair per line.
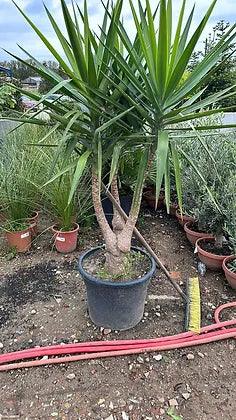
x,y
115,305
20,240
125,202
65,242
230,276
150,198
211,261
33,220
193,235
185,218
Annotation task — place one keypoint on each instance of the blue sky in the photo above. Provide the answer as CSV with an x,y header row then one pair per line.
x,y
14,30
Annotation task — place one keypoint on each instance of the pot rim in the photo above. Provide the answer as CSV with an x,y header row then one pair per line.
x,y
36,215
18,231
56,231
103,282
194,233
184,215
206,253
225,268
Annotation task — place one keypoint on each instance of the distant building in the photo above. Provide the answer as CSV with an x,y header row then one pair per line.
x,y
32,82
6,71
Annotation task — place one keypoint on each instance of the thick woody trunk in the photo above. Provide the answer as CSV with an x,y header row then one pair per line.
x,y
118,240
117,221
125,236
114,256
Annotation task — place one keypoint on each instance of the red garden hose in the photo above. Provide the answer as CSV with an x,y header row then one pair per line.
x,y
101,349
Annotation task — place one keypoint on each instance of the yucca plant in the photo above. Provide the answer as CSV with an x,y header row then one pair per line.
x,y
132,93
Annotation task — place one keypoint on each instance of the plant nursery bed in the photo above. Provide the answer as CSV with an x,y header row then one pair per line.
x,y
43,302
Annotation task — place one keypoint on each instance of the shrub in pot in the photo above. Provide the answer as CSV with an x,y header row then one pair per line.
x,y
212,249
229,267
212,211
209,206
66,207
229,263
132,97
22,168
18,235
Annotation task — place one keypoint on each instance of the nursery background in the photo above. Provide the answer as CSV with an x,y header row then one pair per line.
x,y
117,205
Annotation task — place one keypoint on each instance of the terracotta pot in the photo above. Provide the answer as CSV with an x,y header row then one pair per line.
x,y
212,261
230,276
193,236
150,198
21,240
185,218
34,223
65,242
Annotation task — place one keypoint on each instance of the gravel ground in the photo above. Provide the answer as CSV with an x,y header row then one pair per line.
x,y
43,301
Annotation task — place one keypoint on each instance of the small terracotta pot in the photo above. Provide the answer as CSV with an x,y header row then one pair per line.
x,y
150,198
193,236
212,261
185,218
21,240
65,242
34,223
230,276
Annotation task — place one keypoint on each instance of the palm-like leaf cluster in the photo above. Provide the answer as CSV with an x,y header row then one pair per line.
x,y
128,92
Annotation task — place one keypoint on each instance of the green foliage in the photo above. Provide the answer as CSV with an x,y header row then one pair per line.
x,y
131,265
171,412
217,166
7,98
131,91
57,193
229,194
15,226
225,75
22,168
232,266
22,71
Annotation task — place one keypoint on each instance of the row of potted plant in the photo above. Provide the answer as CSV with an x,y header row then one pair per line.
x,y
24,187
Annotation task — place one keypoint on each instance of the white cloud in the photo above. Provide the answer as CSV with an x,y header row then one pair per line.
x,y
12,20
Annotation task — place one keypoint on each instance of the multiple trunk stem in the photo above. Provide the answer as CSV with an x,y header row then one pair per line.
x,y
118,237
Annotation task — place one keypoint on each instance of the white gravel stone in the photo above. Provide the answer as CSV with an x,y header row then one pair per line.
x,y
158,357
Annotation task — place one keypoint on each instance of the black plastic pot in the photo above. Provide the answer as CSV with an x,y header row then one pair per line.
x,y
125,202
115,305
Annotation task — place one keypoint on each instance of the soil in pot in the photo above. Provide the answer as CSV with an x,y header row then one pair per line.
x,y
193,234
210,254
65,241
229,267
20,240
116,303
185,218
136,266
